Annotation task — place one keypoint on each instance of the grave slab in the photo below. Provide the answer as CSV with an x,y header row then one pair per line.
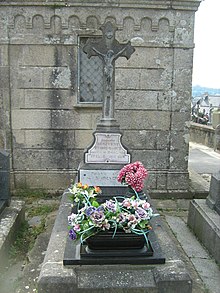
x,y
55,277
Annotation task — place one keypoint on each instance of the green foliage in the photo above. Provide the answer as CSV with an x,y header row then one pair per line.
x,y
26,235
21,242
24,240
29,195
42,210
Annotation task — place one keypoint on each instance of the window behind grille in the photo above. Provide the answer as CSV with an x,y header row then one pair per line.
x,y
90,75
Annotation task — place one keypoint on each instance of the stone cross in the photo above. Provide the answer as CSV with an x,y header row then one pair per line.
x,y
108,49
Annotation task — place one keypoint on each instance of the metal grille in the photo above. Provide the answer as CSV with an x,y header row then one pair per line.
x,y
90,85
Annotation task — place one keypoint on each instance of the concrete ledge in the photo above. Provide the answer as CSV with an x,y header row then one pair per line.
x,y
205,224
170,277
199,187
10,220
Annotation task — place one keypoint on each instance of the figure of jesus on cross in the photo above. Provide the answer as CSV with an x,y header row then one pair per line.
x,y
108,49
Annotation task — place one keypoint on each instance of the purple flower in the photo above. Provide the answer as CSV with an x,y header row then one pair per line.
x,y
97,218
90,211
100,208
72,234
121,218
71,218
141,213
110,205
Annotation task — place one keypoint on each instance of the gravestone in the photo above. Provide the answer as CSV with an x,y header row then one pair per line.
x,y
217,138
204,218
4,180
213,200
102,163
107,155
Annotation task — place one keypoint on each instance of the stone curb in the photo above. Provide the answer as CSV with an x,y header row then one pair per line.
x,y
10,220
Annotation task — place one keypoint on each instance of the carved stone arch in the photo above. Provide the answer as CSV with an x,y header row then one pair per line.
x,y
146,24
56,24
164,24
74,22
19,22
92,22
38,21
128,27
111,19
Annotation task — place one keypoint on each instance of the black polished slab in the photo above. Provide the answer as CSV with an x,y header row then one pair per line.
x,y
78,254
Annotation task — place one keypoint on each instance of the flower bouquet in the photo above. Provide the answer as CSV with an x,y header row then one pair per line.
x,y
133,175
118,215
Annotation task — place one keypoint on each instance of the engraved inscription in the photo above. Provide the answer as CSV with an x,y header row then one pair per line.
x,y
108,149
99,177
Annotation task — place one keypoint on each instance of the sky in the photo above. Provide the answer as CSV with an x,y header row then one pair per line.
x,y
206,63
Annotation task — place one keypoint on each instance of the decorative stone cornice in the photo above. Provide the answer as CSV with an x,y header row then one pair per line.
x,y
146,4
82,21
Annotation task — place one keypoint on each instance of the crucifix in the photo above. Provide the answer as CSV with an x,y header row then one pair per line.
x,y
108,49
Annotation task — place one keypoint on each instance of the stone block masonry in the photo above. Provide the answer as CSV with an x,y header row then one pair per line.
x,y
46,128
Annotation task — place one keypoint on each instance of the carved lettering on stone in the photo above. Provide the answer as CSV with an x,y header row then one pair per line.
x,y
99,177
108,149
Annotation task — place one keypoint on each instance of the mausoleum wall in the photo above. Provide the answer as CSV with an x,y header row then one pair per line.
x,y
43,125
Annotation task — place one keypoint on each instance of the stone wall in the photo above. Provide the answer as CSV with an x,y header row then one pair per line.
x,y
44,127
202,134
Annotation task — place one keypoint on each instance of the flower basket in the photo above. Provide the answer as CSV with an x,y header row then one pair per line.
x,y
121,223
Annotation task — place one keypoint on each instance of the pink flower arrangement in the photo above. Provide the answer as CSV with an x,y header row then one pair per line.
x,y
134,175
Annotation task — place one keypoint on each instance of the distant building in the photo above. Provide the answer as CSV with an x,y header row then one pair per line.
x,y
203,106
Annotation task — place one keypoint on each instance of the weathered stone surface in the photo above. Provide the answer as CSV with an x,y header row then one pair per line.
x,y
173,279
42,99
47,139
33,119
180,100
177,161
217,137
83,138
178,118
36,159
177,181
146,139
213,200
4,76
144,100
10,219
144,120
48,180
156,58
3,55
39,52
145,79
205,223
